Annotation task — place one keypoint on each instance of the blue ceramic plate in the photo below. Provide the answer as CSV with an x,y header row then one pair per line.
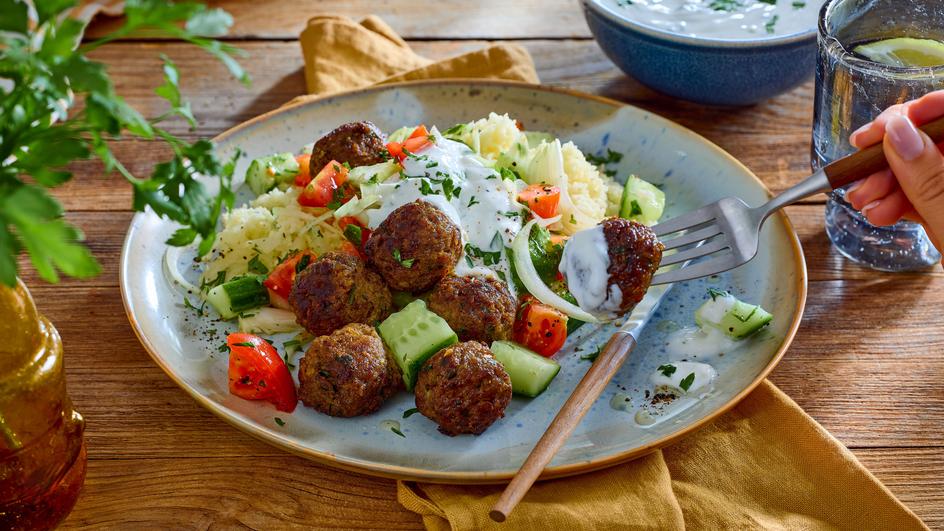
x,y
692,171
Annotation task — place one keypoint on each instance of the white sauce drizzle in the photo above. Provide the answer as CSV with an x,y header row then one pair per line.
x,y
724,19
695,342
480,203
584,265
669,398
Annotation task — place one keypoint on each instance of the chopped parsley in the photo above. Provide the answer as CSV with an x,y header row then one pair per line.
x,y
408,413
398,432
509,174
715,293
634,208
302,263
687,382
798,5
338,197
256,266
449,189
405,262
611,157
455,130
473,201
770,2
220,278
769,26
432,164
190,305
573,220
488,257
426,189
354,234
511,214
244,344
667,369
279,421
724,5
223,348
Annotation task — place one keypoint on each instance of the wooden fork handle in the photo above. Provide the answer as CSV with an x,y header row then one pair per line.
x,y
609,361
861,164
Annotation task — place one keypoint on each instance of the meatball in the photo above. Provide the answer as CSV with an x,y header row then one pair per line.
x,y
478,308
347,373
463,388
634,253
357,143
337,289
415,247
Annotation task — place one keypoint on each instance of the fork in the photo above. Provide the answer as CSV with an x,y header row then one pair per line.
x,y
726,234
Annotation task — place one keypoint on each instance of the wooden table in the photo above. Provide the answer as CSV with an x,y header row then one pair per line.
x,y
867,362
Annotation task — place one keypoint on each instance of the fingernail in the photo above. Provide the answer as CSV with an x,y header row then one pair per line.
x,y
855,186
868,207
857,132
904,137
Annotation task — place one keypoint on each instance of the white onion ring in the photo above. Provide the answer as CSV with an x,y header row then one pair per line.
x,y
529,277
171,259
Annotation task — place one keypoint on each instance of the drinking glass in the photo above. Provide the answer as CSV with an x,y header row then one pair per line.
x,y
850,92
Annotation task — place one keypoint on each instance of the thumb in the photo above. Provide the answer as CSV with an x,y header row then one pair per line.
x,y
919,167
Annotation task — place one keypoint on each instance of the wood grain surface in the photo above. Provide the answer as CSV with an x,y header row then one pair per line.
x,y
866,363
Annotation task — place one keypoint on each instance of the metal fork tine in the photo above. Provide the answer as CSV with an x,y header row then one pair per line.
x,y
692,237
685,221
697,252
713,266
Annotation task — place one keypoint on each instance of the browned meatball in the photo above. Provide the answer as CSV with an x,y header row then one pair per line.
x,y
347,373
337,289
415,247
635,253
477,307
463,388
357,143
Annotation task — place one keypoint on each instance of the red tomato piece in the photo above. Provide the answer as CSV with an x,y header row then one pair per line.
x,y
281,278
304,170
539,327
322,190
257,372
416,142
358,234
542,199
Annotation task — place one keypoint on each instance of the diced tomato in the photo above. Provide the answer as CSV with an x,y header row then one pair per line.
x,y
542,199
358,232
257,372
323,189
539,327
281,278
304,170
416,142
349,248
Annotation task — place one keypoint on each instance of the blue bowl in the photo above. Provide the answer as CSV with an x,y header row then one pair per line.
x,y
712,71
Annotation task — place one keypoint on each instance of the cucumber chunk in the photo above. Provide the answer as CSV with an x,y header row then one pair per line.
x,y
530,373
238,295
268,321
265,173
642,201
734,317
414,334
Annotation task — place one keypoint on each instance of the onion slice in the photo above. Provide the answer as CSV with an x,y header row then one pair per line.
x,y
529,277
171,260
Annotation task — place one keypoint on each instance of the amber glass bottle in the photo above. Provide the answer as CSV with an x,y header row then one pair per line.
x,y
42,451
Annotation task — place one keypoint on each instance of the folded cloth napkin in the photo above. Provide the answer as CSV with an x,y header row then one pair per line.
x,y
765,464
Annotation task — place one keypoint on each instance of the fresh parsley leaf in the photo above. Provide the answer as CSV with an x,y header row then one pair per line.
x,y
405,262
667,369
634,208
354,234
715,293
769,26
508,174
256,266
279,421
245,344
408,413
725,5
770,2
687,382
611,157
798,5
302,263
472,201
396,431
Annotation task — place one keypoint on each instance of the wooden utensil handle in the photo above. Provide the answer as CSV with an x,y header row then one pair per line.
x,y
609,361
861,164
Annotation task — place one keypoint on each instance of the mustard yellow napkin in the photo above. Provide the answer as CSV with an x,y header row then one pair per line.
x,y
765,464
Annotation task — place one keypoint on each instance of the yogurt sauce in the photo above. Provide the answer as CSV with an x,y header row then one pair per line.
x,y
584,265
724,19
670,397
449,176
696,342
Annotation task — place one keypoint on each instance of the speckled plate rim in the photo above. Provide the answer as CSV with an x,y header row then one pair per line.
x,y
495,476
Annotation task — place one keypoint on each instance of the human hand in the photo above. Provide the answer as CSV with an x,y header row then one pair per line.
x,y
913,185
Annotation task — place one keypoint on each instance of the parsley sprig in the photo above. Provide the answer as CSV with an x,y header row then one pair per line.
x,y
58,106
